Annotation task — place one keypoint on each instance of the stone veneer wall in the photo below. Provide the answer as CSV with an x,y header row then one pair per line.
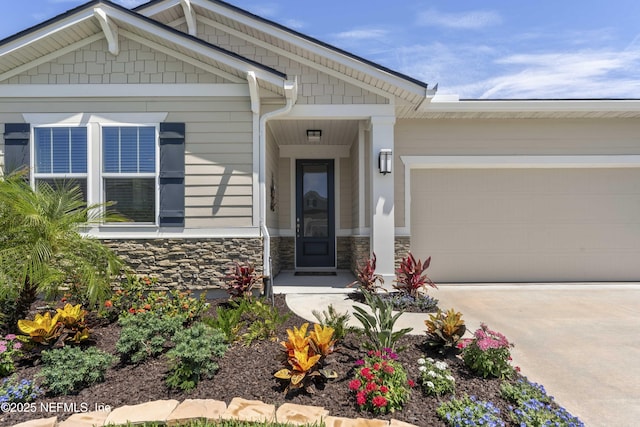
x,y
402,248
188,263
287,253
360,249
344,252
275,256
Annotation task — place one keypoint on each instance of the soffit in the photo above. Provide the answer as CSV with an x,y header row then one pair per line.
x,y
294,132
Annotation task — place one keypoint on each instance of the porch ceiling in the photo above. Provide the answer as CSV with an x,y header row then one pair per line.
x,y
334,132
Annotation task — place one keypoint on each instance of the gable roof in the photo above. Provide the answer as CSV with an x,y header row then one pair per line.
x,y
300,47
79,27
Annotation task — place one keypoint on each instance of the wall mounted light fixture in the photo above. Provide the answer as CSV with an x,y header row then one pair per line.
x,y
385,158
314,135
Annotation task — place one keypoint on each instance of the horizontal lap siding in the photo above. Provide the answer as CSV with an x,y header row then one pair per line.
x,y
219,159
508,137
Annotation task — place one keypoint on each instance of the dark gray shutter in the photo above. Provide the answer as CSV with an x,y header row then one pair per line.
x,y
172,174
16,146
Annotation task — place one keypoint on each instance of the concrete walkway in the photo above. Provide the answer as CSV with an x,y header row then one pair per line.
x,y
581,341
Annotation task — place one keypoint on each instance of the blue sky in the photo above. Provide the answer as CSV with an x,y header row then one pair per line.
x,y
498,49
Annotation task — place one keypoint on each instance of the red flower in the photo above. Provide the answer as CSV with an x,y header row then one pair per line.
x,y
379,401
371,387
354,385
132,310
517,368
360,398
389,369
108,303
63,299
384,389
376,366
411,383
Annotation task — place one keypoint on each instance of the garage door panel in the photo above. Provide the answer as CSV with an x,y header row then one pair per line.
x,y
515,225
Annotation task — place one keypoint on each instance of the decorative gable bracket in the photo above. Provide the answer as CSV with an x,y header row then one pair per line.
x,y
190,16
109,28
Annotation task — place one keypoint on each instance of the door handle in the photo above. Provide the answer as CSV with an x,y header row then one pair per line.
x,y
298,227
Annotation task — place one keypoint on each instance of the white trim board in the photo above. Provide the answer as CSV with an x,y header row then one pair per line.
x,y
507,162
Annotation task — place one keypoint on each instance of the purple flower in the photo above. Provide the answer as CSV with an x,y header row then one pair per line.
x,y
359,362
10,337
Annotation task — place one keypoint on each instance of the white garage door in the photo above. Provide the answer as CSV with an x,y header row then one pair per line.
x,y
527,225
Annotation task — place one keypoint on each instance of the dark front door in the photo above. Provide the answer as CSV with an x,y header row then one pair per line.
x,y
315,214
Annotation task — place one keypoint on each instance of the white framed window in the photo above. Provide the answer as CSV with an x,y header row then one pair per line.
x,y
61,156
129,171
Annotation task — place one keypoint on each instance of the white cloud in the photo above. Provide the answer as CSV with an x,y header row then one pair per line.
x,y
362,34
585,74
472,20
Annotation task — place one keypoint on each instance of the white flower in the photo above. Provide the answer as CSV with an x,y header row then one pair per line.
x,y
432,374
430,360
450,378
441,365
422,368
421,361
430,384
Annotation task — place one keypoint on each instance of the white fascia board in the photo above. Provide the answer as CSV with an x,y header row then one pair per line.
x,y
125,90
338,112
152,232
77,119
445,104
521,162
310,46
195,47
46,32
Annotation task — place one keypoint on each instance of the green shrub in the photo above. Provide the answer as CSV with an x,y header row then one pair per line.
x,y
338,321
70,369
228,321
264,322
146,335
192,357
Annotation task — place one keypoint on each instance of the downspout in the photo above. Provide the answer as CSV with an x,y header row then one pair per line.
x,y
291,94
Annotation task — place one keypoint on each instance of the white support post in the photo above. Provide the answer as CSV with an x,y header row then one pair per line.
x,y
382,199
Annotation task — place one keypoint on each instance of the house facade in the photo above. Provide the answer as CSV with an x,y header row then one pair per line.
x,y
223,137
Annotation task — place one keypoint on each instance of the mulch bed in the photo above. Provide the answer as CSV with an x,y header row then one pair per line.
x,y
247,371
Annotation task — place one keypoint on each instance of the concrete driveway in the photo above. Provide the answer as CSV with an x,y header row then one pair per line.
x,y
581,341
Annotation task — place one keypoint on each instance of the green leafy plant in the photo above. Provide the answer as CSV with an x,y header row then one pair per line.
x,y
14,391
378,327
69,369
228,321
146,335
192,358
522,391
305,357
264,321
444,330
366,278
337,321
380,385
435,377
469,411
410,276
41,247
488,353
10,350
241,281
